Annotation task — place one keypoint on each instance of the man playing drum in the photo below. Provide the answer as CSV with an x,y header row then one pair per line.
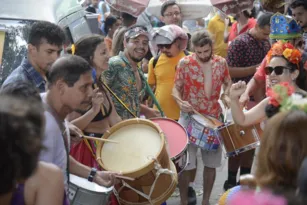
x,y
198,82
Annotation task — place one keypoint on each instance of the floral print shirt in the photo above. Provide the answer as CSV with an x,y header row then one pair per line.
x,y
190,75
120,78
246,51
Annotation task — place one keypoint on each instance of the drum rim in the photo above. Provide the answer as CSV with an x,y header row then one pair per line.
x,y
145,168
108,192
185,131
216,126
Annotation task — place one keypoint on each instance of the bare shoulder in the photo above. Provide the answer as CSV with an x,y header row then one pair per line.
x,y
49,172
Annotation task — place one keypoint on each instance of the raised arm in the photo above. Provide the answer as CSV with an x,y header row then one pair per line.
x,y
251,117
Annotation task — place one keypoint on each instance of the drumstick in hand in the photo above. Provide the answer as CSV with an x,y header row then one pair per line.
x,y
124,177
101,107
100,139
195,111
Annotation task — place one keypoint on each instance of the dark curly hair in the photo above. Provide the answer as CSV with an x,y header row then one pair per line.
x,y
52,33
85,47
21,131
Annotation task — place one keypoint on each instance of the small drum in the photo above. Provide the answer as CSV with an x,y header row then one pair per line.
x,y
83,192
237,139
177,141
140,154
204,133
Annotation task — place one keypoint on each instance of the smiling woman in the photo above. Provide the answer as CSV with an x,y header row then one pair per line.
x,y
284,67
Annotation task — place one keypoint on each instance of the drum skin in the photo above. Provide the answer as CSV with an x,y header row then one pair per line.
x,y
144,176
177,140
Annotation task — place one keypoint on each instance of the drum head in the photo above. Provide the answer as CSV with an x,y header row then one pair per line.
x,y
138,145
175,134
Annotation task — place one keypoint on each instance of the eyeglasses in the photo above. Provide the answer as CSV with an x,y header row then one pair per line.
x,y
172,14
167,46
278,70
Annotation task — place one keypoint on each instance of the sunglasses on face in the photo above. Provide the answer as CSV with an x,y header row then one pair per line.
x,y
167,46
278,70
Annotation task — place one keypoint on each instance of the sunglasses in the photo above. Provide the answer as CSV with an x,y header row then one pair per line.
x,y
278,70
167,46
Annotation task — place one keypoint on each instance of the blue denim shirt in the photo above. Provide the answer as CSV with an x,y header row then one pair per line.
x,y
26,72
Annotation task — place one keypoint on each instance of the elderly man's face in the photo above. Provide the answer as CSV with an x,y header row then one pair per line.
x,y
172,15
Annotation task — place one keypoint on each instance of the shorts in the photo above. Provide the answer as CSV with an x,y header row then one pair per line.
x,y
211,159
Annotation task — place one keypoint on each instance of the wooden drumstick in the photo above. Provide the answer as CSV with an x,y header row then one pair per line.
x,y
195,111
101,107
124,177
100,139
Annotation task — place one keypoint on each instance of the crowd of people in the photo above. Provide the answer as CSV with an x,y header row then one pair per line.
x,y
56,96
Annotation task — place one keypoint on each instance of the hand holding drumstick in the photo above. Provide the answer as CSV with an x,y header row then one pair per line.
x,y
184,105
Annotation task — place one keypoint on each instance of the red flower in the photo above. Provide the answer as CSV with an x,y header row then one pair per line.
x,y
279,92
272,97
287,45
295,57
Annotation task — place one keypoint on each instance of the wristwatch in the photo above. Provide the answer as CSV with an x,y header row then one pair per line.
x,y
92,175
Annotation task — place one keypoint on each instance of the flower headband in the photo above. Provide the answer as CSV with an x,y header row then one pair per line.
x,y
286,50
279,94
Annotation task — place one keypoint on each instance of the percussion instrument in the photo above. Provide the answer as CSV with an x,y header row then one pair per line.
x,y
141,154
204,133
83,192
237,139
177,141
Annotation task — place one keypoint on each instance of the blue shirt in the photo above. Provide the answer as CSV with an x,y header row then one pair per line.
x,y
25,72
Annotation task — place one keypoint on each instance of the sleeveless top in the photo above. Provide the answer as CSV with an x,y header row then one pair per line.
x,y
18,196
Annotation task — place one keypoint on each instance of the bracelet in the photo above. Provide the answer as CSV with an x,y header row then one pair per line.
x,y
92,175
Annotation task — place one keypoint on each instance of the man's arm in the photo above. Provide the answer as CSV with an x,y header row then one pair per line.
x,y
241,72
103,178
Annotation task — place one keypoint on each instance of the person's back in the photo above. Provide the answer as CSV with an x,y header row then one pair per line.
x,y
22,125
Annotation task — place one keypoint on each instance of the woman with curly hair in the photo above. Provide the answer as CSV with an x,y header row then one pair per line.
x,y
24,180
284,66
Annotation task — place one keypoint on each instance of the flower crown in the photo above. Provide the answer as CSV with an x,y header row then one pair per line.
x,y
287,50
279,94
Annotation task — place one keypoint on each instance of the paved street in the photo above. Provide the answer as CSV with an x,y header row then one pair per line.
x,y
217,189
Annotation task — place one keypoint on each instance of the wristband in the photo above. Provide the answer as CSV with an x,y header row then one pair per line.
x,y
92,175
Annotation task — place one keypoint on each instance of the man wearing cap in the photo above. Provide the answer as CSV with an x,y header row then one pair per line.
x,y
171,41
125,78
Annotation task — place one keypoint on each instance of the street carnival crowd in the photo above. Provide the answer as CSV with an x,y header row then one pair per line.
x,y
186,74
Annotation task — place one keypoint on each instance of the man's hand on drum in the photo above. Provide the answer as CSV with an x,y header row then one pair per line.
x,y
97,100
152,113
106,178
237,89
185,107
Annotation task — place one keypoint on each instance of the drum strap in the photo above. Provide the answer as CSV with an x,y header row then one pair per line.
x,y
119,100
